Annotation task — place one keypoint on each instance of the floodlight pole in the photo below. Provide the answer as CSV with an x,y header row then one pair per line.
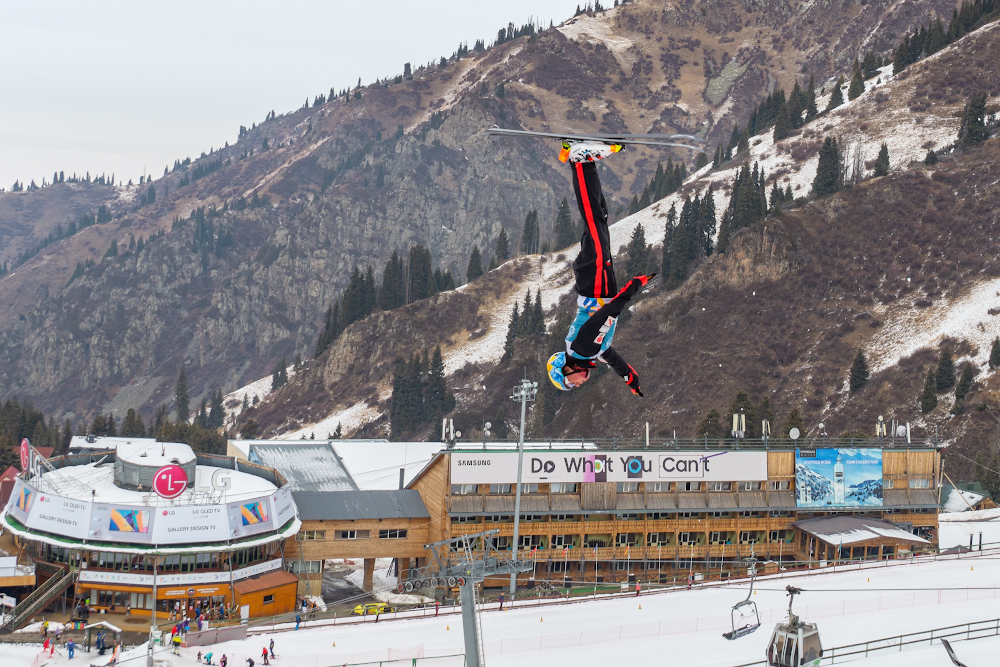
x,y
523,393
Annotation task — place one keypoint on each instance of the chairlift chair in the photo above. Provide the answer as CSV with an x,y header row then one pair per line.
x,y
745,616
794,642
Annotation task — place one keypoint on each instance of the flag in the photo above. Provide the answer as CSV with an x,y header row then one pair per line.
x,y
565,549
595,549
626,551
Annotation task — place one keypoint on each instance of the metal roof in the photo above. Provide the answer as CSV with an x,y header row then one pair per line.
x,y
851,529
349,505
306,467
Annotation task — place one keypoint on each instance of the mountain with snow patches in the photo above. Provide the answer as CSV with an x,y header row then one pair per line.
x,y
811,488
897,265
868,492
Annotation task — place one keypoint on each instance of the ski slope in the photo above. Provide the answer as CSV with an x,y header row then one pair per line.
x,y
849,606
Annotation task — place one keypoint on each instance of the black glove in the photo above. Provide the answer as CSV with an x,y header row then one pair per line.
x,y
632,380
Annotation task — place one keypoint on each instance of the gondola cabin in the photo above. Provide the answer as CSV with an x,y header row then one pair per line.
x,y
794,643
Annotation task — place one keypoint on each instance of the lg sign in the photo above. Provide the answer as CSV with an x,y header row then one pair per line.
x,y
170,481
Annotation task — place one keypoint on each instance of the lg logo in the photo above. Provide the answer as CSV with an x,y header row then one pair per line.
x,y
170,481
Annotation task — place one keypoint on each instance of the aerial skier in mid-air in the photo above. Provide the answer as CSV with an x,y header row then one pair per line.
x,y
599,301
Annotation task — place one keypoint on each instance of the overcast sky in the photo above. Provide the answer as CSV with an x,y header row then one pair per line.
x,y
119,87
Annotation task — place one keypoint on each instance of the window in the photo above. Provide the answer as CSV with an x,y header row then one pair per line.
x,y
529,541
685,539
621,565
304,535
748,537
500,488
463,519
563,488
627,516
564,517
688,515
920,483
718,515
268,599
748,514
351,535
392,534
627,487
750,486
777,514
533,517
502,542
562,541
657,487
557,566
888,483
529,488
720,486
779,485
656,539
626,539
658,516
464,489
718,537
305,566
689,486
776,536
498,518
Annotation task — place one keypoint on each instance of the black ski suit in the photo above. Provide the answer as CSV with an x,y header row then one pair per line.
x,y
595,274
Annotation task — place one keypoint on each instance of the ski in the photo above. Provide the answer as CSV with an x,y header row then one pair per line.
x,y
641,139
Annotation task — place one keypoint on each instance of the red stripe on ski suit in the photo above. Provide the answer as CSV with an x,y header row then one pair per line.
x,y
592,226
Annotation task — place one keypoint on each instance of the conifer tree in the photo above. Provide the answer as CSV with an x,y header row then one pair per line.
x,y
995,353
701,161
811,110
503,246
931,158
742,403
132,426
793,420
638,253
181,399
965,381
439,401
928,399
525,325
859,371
857,85
420,272
529,234
399,398
564,230
837,97
945,378
508,347
827,179
216,411
537,314
475,265
882,161
711,426
393,291
972,130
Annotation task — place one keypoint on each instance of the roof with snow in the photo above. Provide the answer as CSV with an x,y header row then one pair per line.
x,y
961,499
351,505
853,529
99,442
307,467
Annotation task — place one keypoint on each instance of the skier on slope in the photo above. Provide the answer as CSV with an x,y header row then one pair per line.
x,y
599,301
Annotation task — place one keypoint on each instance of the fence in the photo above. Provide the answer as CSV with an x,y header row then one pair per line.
x,y
974,630
724,623
414,655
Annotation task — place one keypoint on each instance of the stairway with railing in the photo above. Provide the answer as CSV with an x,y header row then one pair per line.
x,y
39,599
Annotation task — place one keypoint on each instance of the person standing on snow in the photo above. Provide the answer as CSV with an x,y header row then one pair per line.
x,y
599,301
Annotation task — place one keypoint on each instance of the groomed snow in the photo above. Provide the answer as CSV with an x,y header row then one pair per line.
x,y
682,627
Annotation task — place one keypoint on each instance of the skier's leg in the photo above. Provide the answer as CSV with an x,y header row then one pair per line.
x,y
595,276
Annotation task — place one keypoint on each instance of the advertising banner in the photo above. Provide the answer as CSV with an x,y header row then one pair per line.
x,y
282,506
249,517
838,477
121,523
62,516
627,466
194,523
21,500
120,578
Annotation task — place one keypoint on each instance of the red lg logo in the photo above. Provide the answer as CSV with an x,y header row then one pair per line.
x,y
170,481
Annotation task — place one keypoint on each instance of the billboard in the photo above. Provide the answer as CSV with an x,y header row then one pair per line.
x,y
282,506
192,523
121,523
62,516
838,478
626,466
249,518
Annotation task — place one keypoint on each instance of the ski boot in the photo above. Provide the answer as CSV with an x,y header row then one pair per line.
x,y
587,151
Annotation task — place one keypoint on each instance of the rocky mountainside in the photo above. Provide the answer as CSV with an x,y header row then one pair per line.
x,y
303,197
900,266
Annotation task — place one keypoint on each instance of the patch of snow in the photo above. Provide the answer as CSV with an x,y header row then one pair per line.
x,y
349,419
384,584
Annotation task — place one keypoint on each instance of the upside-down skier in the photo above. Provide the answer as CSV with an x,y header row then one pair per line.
x,y
599,301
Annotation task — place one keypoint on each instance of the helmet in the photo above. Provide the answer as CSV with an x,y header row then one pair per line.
x,y
554,366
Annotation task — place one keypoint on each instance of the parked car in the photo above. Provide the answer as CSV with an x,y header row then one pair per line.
x,y
371,608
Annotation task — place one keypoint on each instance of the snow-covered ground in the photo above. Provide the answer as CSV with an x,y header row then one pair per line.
x,y
682,627
955,532
383,584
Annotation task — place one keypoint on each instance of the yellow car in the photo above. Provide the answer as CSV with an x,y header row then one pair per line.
x,y
371,608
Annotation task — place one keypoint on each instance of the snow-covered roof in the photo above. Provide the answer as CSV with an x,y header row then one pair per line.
x,y
375,465
307,467
852,529
149,452
100,442
957,500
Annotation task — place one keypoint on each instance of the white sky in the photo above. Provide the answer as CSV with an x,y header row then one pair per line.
x,y
121,86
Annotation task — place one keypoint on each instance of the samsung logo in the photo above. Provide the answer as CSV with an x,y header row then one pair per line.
x,y
474,462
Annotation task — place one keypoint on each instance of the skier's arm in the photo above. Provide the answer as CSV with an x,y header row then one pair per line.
x,y
611,357
588,340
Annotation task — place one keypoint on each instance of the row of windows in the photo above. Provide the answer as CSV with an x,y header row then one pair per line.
x,y
305,566
621,516
627,487
140,563
386,534
684,538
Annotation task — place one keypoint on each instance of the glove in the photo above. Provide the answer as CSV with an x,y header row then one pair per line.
x,y
634,285
632,380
